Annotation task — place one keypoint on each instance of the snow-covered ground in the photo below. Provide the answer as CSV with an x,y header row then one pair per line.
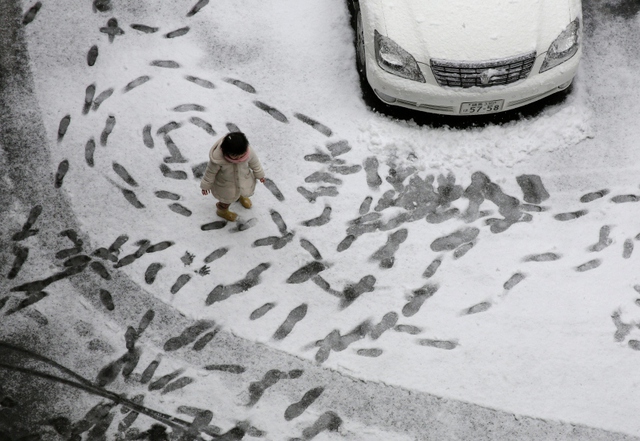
x,y
492,265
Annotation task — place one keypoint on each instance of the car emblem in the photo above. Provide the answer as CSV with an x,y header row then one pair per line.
x,y
485,76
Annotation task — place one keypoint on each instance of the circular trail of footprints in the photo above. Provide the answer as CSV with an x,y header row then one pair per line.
x,y
460,242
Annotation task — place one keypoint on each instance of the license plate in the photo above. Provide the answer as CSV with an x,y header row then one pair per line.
x,y
480,107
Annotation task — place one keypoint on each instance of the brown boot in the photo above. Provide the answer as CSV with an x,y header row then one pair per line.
x,y
223,212
245,202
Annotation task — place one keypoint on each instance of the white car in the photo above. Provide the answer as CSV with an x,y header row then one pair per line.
x,y
467,57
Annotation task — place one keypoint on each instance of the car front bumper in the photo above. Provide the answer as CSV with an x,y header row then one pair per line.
x,y
433,98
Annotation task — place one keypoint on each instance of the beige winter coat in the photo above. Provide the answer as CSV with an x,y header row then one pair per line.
x,y
227,180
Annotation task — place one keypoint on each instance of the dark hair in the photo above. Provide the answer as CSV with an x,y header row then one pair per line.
x,y
234,144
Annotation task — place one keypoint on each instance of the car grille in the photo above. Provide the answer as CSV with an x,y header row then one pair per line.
x,y
482,74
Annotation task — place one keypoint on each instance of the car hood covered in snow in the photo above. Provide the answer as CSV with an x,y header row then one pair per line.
x,y
472,30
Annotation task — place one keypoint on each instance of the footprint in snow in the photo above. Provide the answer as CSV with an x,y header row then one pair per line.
x,y
292,319
31,13
180,283
131,197
371,165
388,321
172,174
432,268
124,174
455,239
177,33
107,300
418,298
589,265
345,169
180,209
439,344
258,388
200,82
386,254
100,270
326,131
20,257
240,84
216,254
311,249
532,188
152,272
338,148
102,5
147,139
563,217
622,329
89,94
189,335
442,216
475,309
328,421
462,250
324,177
163,381
513,281
272,111
145,378
108,128
175,155
408,329
102,98
625,198
346,243
160,246
544,257
136,83
330,191
168,64
279,221
189,108
63,126
223,292
352,291
92,55
365,206
216,225
296,409
603,241
306,272
590,197
323,219
63,168
322,158
261,311
199,122
144,28
26,230
242,225
229,368
165,129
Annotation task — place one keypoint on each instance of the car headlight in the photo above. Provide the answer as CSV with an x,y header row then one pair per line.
x,y
563,47
395,60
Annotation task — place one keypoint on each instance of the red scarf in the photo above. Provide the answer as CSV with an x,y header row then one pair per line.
x,y
242,158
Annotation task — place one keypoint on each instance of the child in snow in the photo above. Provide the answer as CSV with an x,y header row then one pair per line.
x,y
231,173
